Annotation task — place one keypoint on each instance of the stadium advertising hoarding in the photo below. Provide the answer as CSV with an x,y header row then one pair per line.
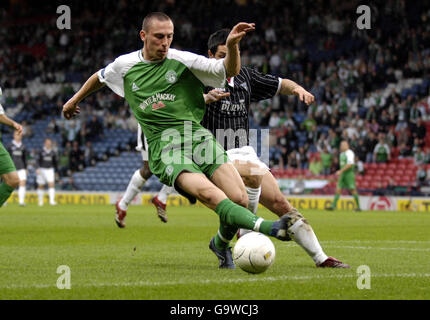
x,y
376,203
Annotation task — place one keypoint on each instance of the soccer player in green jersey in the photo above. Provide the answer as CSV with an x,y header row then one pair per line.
x,y
164,88
346,175
8,172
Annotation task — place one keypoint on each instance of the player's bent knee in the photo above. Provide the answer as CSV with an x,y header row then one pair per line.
x,y
145,172
12,180
240,198
210,195
252,181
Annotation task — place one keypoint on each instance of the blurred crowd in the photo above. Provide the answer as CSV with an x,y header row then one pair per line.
x,y
315,43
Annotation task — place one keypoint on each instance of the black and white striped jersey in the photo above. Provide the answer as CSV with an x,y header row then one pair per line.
x,y
47,159
233,112
18,154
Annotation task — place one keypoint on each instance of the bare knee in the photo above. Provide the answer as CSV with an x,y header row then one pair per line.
x,y
240,197
12,180
252,181
210,195
145,172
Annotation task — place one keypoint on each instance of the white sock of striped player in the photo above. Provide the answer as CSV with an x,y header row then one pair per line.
x,y
303,234
21,194
40,196
133,189
51,192
254,198
164,193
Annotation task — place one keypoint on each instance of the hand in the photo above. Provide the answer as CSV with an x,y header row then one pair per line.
x,y
71,109
38,171
215,95
18,128
304,96
238,32
338,173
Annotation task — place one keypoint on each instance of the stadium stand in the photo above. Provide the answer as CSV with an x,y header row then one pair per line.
x,y
369,85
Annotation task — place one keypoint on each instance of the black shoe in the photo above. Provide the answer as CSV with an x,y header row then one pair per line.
x,y
280,227
357,210
330,209
225,257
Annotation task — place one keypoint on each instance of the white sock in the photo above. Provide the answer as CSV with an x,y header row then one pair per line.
x,y
40,195
133,189
164,193
21,194
51,192
254,198
304,236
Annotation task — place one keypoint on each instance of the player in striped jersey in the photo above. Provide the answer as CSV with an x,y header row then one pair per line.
x,y
8,172
227,117
164,88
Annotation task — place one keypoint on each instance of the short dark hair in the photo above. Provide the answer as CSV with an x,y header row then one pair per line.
x,y
216,39
160,16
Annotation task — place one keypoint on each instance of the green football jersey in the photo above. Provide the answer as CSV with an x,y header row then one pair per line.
x,y
347,157
164,94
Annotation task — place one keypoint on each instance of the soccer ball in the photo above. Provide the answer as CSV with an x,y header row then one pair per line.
x,y
254,252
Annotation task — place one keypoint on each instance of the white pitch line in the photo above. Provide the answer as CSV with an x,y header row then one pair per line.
x,y
217,281
376,248
378,241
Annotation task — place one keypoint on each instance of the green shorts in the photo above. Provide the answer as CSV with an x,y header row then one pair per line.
x,y
6,163
175,152
346,181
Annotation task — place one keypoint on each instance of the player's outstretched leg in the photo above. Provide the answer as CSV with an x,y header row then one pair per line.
x,y
299,229
10,182
230,213
252,176
137,181
160,201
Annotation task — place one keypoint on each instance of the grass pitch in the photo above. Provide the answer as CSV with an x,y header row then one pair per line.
x,y
152,260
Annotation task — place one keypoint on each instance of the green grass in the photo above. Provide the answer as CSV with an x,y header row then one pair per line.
x,y
152,260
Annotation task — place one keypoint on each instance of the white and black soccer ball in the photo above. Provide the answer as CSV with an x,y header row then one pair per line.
x,y
254,252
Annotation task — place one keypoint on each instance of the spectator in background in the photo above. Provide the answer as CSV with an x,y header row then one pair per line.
x,y
293,160
52,127
370,143
27,132
89,158
326,161
421,175
76,158
419,130
64,162
71,130
315,164
94,129
359,165
419,156
361,150
381,153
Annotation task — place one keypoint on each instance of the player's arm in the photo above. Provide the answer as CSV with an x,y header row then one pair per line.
x,y
289,87
215,95
232,59
71,108
9,122
346,167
